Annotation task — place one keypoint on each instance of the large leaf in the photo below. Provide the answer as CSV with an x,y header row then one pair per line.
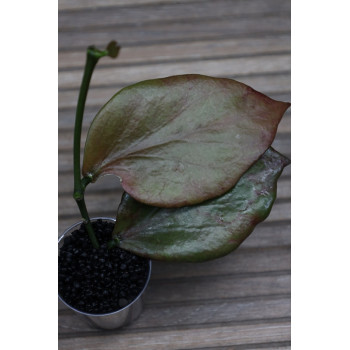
x,y
204,231
181,140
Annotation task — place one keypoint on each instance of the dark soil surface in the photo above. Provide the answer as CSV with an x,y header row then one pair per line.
x,y
98,281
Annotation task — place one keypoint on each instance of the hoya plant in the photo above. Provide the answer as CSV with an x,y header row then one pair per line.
x,y
193,154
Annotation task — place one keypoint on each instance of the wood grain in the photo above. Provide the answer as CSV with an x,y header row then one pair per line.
x,y
122,16
155,33
187,338
93,4
240,301
174,315
223,67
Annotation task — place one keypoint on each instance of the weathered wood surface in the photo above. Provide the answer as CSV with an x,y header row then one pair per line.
x,y
241,301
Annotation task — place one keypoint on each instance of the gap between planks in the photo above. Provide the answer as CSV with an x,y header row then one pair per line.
x,y
246,300
67,7
76,5
174,41
262,65
245,261
208,312
115,25
122,17
285,345
97,27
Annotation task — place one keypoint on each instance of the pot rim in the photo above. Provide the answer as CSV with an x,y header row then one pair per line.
x,y
61,237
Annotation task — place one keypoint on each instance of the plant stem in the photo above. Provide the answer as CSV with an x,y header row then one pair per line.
x,y
92,57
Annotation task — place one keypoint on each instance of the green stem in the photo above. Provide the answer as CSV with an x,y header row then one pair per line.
x,y
92,57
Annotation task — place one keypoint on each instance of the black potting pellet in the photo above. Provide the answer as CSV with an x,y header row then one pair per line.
x,y
98,281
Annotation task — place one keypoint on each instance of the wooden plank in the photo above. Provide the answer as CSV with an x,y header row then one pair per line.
x,y
267,84
222,67
97,204
240,301
202,312
190,31
241,261
183,51
188,11
284,126
280,211
218,287
207,336
93,4
269,234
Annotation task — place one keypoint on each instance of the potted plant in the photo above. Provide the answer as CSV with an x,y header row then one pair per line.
x,y
194,157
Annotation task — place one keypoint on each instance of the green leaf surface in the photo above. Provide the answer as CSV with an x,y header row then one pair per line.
x,y
205,231
181,140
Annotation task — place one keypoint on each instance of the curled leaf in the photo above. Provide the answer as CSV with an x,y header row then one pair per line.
x,y
205,231
113,49
181,140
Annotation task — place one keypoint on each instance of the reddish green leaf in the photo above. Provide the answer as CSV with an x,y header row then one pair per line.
x,y
204,231
181,140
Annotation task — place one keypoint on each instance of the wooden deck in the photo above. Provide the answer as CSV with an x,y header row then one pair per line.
x,y
241,301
